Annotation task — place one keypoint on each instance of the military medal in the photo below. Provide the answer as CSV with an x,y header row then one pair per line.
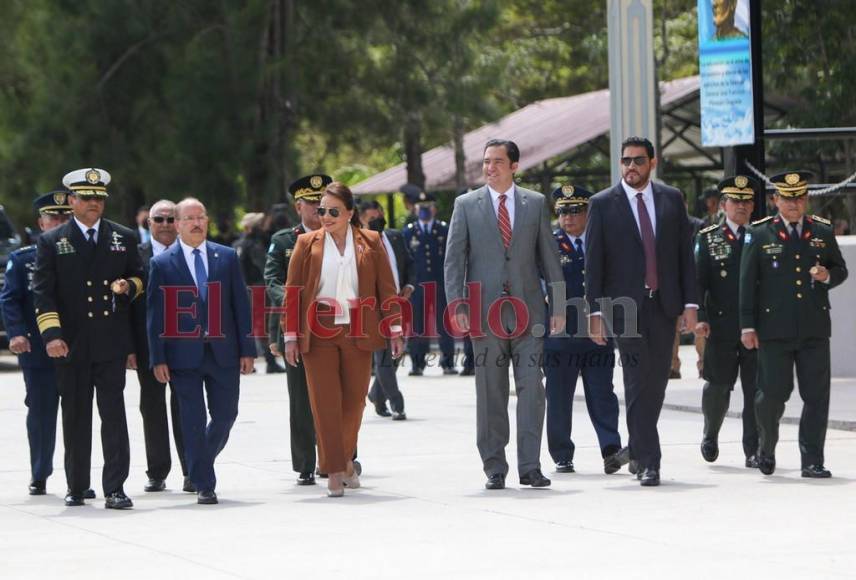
x,y
116,287
723,273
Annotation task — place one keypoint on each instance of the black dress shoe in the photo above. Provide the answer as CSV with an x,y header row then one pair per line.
x,y
650,478
358,467
709,450
565,467
382,410
118,501
767,465
206,497
613,462
752,462
633,467
816,471
467,372
306,478
73,499
415,373
37,487
450,371
399,416
89,494
319,474
495,481
535,478
274,369
155,485
188,485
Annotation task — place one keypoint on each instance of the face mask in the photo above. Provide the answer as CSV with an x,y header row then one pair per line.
x,y
377,224
425,214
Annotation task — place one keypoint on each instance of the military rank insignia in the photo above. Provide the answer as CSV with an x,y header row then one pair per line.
x,y
817,243
288,252
63,246
116,244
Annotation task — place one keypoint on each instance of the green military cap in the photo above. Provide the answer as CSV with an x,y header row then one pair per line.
x,y
739,187
792,183
310,187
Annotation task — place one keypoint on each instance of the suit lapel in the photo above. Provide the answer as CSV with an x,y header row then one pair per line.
x,y
180,264
658,209
213,260
521,205
623,206
489,214
105,238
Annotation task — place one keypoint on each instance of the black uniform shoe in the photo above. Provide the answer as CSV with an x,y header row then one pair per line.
x,y
188,485
274,369
382,410
709,450
450,371
415,373
535,478
633,467
495,481
358,467
752,462
816,471
767,465
37,487
650,478
89,494
468,372
73,499
206,497
399,416
118,501
613,462
565,467
155,485
306,478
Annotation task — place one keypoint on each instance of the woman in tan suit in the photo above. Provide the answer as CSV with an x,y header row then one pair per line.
x,y
340,306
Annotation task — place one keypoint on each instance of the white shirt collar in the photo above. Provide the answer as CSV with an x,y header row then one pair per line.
x,y
573,239
306,228
83,228
733,226
188,250
158,248
494,194
647,192
426,225
788,224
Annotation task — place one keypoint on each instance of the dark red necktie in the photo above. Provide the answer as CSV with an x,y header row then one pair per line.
x,y
648,243
504,221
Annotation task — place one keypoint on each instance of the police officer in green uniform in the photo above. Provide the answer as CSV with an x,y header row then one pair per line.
x,y
717,253
790,262
307,192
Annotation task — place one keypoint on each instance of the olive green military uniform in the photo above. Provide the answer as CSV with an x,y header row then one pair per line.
x,y
300,413
790,313
718,252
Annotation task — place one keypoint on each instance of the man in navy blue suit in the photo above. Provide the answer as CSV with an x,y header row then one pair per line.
x,y
568,356
199,336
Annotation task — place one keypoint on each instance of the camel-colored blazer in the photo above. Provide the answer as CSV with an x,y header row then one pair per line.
x,y
374,280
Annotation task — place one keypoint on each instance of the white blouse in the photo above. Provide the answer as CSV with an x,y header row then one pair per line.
x,y
339,276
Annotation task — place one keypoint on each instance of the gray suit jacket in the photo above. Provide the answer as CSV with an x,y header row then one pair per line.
x,y
474,251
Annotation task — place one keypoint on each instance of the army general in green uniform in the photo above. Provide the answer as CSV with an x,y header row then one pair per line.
x,y
790,262
717,254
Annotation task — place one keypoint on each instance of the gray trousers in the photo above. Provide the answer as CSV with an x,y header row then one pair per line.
x,y
385,385
493,355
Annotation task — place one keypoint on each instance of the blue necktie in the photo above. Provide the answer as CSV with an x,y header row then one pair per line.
x,y
201,275
578,246
91,239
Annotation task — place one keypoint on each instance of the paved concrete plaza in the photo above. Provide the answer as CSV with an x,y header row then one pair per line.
x,y
423,511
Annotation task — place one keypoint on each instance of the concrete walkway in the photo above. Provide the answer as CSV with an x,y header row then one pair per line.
x,y
423,511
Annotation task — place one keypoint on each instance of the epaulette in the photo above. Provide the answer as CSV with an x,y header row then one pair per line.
x,y
709,228
410,226
444,224
822,220
762,220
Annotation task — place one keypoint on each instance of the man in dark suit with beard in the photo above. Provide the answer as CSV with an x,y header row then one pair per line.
x,y
639,256
385,386
161,222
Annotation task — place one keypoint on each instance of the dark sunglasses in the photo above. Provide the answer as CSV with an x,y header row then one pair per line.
x,y
160,219
89,197
570,210
638,161
333,211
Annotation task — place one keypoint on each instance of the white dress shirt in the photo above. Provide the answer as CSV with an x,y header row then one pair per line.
x,y
158,248
574,239
390,253
733,226
190,259
339,280
509,203
83,229
647,198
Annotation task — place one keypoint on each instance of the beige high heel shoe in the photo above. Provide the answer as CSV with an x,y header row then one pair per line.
x,y
351,481
335,485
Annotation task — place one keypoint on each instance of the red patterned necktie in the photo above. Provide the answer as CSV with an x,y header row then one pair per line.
x,y
647,243
504,221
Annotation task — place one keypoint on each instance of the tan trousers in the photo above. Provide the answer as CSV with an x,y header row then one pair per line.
x,y
337,373
699,347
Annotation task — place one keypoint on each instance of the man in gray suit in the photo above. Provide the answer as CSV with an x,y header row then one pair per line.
x,y
500,245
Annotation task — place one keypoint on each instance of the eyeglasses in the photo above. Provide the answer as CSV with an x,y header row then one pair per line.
x,y
570,210
638,161
160,219
194,218
89,197
333,211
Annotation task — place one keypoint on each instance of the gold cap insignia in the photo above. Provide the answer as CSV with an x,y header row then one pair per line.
x,y
59,198
315,181
741,181
93,176
567,190
792,178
